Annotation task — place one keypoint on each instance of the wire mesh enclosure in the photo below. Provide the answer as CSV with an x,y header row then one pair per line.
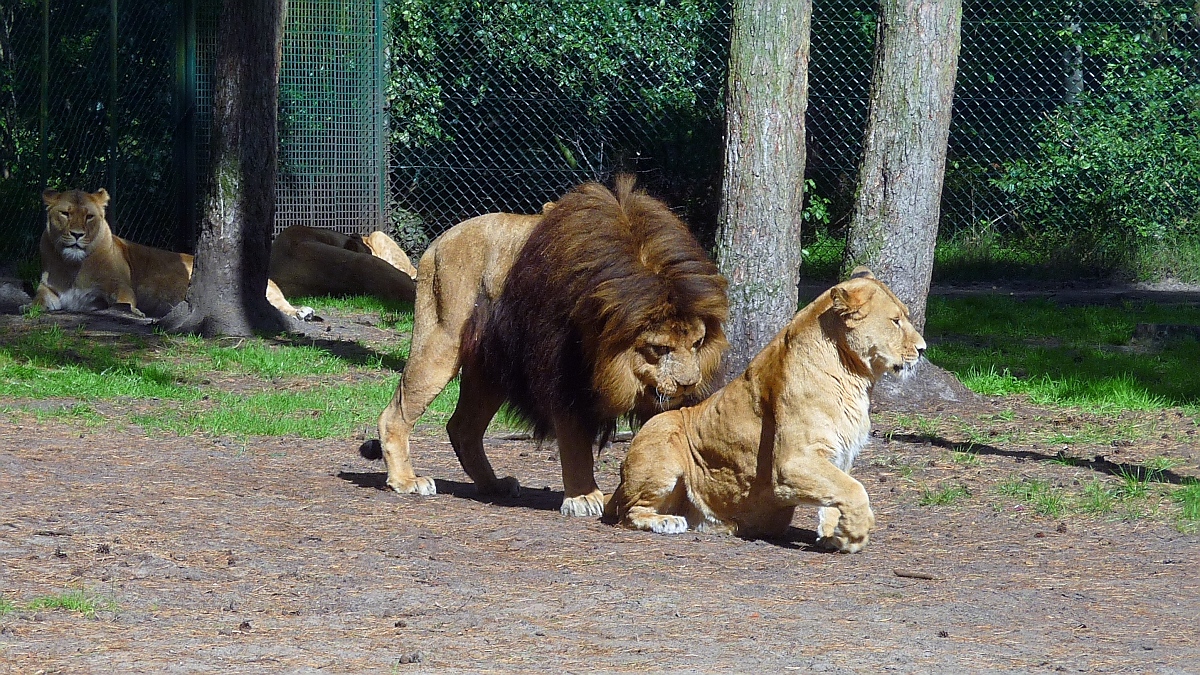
x,y
1075,123
118,94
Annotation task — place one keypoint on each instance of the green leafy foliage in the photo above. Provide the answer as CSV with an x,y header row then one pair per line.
x,y
642,53
1118,167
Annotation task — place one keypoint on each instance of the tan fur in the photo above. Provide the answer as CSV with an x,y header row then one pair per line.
x,y
645,353
84,264
467,262
784,433
318,261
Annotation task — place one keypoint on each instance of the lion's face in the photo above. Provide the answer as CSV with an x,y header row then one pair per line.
x,y
75,221
877,327
668,365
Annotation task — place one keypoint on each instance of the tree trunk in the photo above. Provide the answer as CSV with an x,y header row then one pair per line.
x,y
893,227
758,231
227,295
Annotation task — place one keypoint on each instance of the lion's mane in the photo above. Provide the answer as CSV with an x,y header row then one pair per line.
x,y
600,270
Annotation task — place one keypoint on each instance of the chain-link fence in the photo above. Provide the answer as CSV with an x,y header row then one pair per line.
x,y
1074,132
118,94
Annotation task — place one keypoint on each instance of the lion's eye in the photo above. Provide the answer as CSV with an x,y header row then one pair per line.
x,y
896,321
698,343
91,216
64,214
658,351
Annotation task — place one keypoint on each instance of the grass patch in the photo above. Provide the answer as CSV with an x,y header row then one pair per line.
x,y
943,496
1065,356
7,606
1188,498
1044,498
81,602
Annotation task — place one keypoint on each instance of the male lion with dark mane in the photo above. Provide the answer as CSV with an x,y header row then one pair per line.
x,y
604,307
783,433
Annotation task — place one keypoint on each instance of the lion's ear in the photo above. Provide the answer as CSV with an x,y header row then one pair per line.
x,y
547,207
100,197
49,196
862,272
849,298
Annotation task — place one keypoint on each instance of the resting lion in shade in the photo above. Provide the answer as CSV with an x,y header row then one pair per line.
x,y
604,307
318,261
784,433
85,266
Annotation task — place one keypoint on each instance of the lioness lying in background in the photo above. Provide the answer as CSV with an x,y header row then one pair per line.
x,y
317,261
783,433
86,267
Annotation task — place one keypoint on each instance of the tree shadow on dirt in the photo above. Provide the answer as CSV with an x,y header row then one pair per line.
x,y
530,498
1099,463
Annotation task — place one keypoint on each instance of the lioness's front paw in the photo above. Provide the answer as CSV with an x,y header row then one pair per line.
x,y
304,312
504,487
591,504
417,485
852,532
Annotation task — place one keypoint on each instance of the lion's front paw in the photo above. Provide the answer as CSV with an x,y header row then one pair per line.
x,y
851,534
503,487
591,504
305,313
417,485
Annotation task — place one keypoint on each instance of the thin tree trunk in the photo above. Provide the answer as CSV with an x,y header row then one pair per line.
x,y
758,235
227,295
893,227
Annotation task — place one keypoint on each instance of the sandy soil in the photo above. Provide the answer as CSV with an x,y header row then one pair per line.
x,y
287,555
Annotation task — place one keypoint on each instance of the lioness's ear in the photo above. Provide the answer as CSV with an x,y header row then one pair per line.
x,y
849,298
100,197
547,207
49,196
862,272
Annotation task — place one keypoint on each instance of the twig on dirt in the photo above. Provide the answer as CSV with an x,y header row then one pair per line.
x,y
914,574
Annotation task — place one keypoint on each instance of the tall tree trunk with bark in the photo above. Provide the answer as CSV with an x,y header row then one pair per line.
x,y
758,235
227,295
893,228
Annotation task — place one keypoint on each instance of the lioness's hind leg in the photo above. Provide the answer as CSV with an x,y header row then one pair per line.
x,y
646,518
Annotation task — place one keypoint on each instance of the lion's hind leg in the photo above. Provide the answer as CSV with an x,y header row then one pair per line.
x,y
477,404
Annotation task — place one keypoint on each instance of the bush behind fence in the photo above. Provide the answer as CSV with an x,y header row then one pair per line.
x,y
1073,147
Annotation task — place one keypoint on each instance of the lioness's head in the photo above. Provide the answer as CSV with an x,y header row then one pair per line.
x,y
877,330
75,221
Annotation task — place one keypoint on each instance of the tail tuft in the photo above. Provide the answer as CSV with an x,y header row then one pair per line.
x,y
372,450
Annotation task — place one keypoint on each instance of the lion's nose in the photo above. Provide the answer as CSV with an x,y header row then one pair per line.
x,y
920,352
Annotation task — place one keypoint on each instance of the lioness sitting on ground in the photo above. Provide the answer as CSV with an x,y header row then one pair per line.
x,y
317,261
86,267
783,433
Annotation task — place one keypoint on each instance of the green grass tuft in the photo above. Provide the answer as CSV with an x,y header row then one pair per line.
x,y
7,606
81,602
943,496
1045,499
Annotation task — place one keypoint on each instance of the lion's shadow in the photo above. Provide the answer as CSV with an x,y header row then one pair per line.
x,y
539,500
796,539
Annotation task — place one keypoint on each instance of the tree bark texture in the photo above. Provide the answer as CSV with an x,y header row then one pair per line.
x,y
758,230
227,295
893,226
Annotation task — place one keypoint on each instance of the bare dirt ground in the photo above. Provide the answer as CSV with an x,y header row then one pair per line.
x,y
287,555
